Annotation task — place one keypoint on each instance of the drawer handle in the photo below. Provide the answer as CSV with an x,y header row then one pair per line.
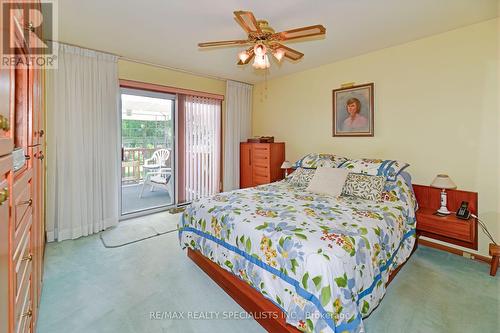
x,y
4,123
29,257
27,202
29,313
4,195
39,155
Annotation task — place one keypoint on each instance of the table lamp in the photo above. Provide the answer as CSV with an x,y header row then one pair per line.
x,y
443,182
286,165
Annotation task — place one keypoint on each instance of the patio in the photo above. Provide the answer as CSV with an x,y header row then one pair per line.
x,y
131,201
133,175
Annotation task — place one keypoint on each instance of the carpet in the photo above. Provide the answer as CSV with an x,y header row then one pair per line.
x,y
139,229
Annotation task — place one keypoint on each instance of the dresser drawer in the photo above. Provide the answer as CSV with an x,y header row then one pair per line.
x,y
456,229
261,151
23,257
259,180
260,171
24,310
23,194
261,160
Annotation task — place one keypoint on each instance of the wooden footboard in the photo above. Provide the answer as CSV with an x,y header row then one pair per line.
x,y
263,310
268,315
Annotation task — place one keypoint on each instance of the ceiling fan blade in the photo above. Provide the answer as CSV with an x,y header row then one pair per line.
x,y
224,43
313,30
250,53
289,53
247,21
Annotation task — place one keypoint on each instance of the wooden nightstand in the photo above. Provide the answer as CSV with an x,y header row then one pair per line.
x,y
449,228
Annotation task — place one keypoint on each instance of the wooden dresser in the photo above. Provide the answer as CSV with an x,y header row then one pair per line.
x,y
21,192
260,163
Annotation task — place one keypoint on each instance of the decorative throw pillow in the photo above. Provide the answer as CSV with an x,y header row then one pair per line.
x,y
315,160
364,186
390,169
328,181
301,177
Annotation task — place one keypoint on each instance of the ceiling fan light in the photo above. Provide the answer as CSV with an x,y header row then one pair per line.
x,y
278,54
257,62
243,55
261,62
259,49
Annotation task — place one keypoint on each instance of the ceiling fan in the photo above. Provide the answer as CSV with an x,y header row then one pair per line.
x,y
263,38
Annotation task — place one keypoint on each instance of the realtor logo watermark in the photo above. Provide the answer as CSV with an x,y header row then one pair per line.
x,y
28,27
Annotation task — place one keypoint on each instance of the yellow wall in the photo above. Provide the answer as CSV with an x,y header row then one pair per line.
x,y
436,107
145,73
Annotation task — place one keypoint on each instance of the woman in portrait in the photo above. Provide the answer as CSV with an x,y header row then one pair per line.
x,y
355,122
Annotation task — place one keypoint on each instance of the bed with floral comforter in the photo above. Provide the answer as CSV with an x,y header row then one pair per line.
x,y
324,261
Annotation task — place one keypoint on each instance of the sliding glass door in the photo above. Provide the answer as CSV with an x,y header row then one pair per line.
x,y
147,150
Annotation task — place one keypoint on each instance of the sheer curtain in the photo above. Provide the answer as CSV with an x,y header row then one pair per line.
x,y
237,128
82,144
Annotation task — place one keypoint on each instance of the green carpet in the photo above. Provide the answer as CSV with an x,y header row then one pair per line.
x,y
88,288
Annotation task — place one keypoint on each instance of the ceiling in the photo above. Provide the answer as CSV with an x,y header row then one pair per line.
x,y
167,32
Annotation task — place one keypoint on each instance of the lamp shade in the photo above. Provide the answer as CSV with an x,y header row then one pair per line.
x,y
443,182
286,165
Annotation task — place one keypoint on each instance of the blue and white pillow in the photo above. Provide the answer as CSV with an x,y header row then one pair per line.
x,y
390,169
316,160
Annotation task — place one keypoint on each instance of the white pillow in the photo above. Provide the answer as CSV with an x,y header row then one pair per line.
x,y
328,181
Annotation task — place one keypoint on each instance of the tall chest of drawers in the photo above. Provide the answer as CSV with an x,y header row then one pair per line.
x,y
21,186
260,163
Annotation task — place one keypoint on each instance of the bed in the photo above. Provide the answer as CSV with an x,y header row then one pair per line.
x,y
324,261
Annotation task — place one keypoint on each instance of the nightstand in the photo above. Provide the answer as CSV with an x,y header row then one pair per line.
x,y
448,229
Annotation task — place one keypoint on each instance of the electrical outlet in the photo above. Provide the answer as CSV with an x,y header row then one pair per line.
x,y
467,255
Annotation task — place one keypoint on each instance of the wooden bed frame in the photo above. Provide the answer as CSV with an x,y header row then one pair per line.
x,y
267,314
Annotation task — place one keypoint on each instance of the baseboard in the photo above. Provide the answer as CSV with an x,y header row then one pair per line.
x,y
453,250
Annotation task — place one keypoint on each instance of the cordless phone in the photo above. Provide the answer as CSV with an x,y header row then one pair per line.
x,y
463,212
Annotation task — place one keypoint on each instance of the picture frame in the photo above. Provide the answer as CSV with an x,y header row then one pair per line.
x,y
353,110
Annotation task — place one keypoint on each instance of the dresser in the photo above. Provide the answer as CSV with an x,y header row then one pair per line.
x,y
260,163
21,191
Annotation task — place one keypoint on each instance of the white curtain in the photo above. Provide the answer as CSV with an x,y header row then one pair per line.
x,y
82,143
237,128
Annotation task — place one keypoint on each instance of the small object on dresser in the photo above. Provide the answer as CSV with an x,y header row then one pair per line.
x,y
261,139
443,182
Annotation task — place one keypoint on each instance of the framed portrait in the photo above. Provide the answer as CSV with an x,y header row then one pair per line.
x,y
353,111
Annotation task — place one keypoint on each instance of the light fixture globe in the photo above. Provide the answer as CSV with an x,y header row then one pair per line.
x,y
243,56
259,49
278,54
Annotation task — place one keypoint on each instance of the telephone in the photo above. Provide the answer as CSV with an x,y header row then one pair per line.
x,y
463,212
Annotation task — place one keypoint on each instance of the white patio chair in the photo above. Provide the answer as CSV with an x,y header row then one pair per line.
x,y
159,159
161,179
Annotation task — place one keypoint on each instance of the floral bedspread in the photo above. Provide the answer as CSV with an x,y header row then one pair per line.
x,y
324,261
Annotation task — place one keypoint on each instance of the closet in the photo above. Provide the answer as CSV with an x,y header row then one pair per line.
x,y
21,186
